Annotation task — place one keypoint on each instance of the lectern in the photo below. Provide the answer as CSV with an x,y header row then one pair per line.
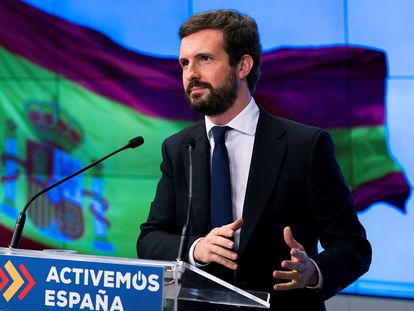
x,y
66,280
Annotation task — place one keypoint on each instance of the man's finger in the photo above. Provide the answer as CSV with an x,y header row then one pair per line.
x,y
225,262
289,240
285,275
298,254
222,252
223,232
286,286
235,225
293,265
220,240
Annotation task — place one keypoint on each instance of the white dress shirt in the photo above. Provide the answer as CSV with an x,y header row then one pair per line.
x,y
239,143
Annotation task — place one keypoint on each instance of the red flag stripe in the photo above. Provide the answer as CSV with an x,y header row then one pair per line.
x,y
29,285
4,278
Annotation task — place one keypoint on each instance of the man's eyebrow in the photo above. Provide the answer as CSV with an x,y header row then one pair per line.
x,y
204,54
180,60
198,55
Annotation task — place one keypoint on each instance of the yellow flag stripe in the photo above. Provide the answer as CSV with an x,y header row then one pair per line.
x,y
17,281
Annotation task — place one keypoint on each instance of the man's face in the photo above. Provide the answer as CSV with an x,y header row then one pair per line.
x,y
210,83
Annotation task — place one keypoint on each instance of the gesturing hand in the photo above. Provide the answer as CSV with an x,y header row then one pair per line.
x,y
301,270
217,246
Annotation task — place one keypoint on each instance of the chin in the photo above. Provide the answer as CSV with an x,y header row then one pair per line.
x,y
197,99
195,106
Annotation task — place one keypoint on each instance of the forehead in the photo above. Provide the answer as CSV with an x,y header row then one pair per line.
x,y
204,41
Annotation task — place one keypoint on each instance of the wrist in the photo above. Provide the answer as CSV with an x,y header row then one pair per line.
x,y
314,280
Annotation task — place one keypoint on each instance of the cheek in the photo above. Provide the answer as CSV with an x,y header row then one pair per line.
x,y
218,81
221,75
184,80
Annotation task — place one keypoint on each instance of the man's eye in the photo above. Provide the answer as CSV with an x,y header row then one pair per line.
x,y
205,58
184,63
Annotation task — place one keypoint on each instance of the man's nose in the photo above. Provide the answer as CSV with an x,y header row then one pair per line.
x,y
192,72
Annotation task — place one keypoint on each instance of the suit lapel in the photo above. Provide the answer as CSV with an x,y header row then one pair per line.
x,y
268,154
200,217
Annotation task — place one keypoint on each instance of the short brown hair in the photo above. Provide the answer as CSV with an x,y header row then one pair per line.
x,y
241,36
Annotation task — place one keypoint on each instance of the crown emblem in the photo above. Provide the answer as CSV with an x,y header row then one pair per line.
x,y
53,125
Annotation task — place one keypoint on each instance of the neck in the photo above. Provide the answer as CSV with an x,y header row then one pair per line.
x,y
240,103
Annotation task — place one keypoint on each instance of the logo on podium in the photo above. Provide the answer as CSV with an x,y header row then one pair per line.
x,y
77,284
20,278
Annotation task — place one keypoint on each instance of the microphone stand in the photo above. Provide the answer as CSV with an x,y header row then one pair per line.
x,y
184,234
18,229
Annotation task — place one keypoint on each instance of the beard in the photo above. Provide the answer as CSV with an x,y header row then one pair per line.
x,y
218,100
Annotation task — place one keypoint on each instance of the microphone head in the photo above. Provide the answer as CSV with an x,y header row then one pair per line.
x,y
190,143
136,142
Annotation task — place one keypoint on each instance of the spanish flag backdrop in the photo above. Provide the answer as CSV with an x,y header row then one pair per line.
x,y
69,96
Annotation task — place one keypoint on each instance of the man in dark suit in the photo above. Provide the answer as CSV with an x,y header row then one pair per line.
x,y
286,190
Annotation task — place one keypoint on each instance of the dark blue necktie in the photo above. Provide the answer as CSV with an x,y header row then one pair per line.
x,y
221,209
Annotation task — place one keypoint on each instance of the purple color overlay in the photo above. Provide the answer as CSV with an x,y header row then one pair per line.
x,y
334,87
392,188
329,87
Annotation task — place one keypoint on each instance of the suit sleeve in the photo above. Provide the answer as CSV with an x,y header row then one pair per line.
x,y
347,252
161,233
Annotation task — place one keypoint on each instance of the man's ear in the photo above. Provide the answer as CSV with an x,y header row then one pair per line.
x,y
245,65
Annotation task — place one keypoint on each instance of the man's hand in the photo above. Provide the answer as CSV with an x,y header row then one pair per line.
x,y
217,246
301,270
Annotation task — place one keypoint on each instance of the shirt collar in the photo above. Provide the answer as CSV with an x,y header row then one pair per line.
x,y
245,122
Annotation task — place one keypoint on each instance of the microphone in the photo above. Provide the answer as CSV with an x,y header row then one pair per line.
x,y
184,234
18,229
